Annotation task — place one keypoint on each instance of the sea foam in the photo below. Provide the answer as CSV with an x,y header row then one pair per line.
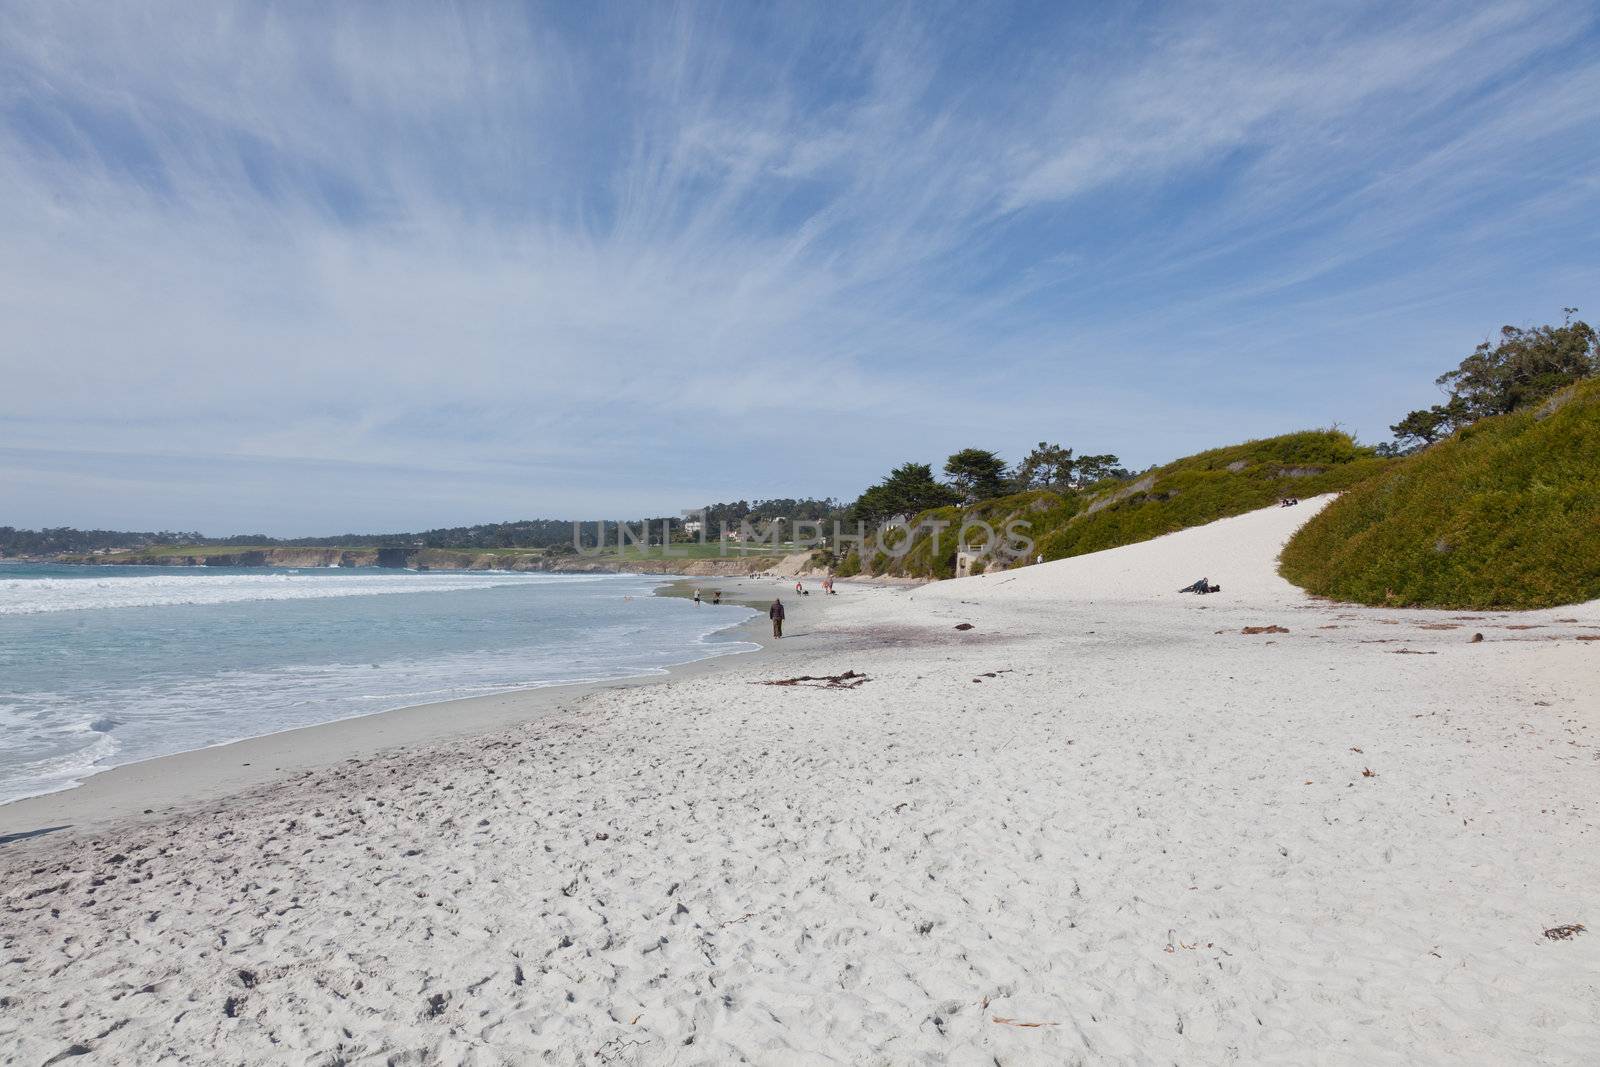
x,y
30,596
194,658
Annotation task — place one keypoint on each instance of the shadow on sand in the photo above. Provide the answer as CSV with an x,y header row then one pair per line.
x,y
7,839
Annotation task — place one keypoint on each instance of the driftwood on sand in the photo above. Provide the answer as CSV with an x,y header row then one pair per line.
x,y
847,680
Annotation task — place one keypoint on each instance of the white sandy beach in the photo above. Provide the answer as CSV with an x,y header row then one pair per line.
x,y
1103,825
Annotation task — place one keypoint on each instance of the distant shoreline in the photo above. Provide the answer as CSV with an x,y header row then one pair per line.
x,y
437,559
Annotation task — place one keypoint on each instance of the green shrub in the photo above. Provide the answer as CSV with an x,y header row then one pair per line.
x,y
1503,514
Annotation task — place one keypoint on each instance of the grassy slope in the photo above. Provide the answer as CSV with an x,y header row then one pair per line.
x,y
1214,485
1505,514
1187,492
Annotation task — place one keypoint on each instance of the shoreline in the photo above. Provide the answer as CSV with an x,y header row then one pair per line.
x,y
160,786
1066,814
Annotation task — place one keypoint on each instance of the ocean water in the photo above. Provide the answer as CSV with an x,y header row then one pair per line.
x,y
101,666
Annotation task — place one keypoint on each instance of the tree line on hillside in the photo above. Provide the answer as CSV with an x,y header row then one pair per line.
x,y
526,533
759,514
1524,367
975,474
523,533
58,539
532,534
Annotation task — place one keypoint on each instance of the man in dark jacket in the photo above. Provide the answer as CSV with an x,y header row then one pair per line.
x,y
775,613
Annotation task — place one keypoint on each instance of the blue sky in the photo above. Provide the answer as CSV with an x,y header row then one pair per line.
x,y
300,268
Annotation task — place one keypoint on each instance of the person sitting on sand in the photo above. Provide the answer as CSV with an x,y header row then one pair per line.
x,y
775,613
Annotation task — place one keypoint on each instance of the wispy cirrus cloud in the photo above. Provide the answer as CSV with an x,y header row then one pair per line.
x,y
641,257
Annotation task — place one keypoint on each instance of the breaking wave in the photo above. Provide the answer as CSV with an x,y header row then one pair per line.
x,y
27,596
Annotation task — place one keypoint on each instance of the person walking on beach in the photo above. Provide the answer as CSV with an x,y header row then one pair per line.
x,y
775,613
697,598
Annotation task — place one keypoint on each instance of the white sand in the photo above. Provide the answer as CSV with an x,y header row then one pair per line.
x,y
1154,839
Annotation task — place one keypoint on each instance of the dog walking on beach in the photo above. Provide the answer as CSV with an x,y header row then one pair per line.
x,y
775,613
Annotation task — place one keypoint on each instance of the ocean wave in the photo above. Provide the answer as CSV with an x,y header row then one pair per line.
x,y
67,763
27,596
130,695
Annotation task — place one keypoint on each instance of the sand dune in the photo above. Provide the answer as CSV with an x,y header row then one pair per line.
x,y
1236,553
1103,825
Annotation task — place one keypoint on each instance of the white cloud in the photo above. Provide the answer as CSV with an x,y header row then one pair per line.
x,y
681,250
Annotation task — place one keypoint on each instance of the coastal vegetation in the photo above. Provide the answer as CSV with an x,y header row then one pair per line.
x,y
1523,368
760,514
977,474
930,521
927,544
909,489
1504,513
1516,469
1212,485
65,539
1065,505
